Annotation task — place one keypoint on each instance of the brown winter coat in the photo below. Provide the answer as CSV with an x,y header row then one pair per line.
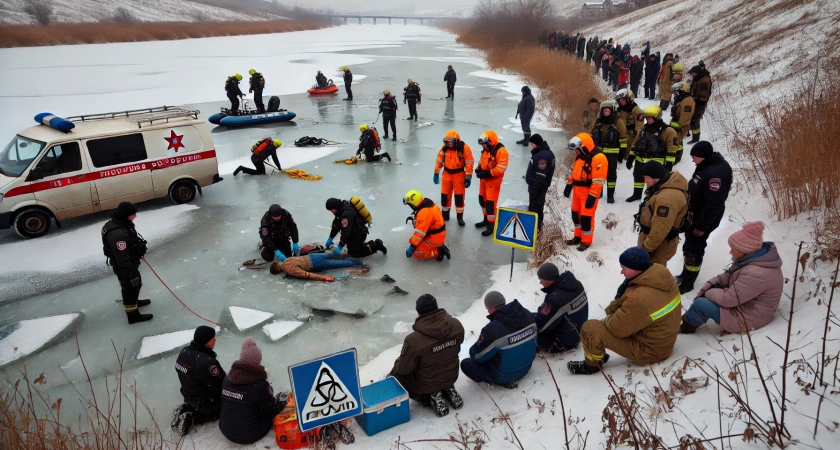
x,y
428,362
649,313
749,292
682,113
666,80
634,120
662,212
701,89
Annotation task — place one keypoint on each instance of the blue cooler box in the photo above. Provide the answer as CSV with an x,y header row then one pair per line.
x,y
385,405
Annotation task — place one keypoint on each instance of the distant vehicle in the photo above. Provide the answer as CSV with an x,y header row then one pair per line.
x,y
67,168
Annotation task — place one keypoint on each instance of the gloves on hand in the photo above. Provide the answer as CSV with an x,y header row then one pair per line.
x,y
296,249
630,162
668,166
409,251
481,173
436,178
567,191
279,255
338,249
135,281
590,201
467,181
328,244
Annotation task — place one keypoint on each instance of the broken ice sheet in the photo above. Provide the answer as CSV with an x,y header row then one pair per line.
x,y
27,336
245,318
162,343
280,328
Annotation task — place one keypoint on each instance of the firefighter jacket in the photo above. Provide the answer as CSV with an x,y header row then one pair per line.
x,y
256,82
656,141
200,374
589,117
610,134
495,160
428,361
507,344
709,188
563,312
349,222
590,171
647,310
428,225
412,93
388,106
123,246
665,78
682,112
248,404
662,211
634,119
272,232
540,169
455,160
701,87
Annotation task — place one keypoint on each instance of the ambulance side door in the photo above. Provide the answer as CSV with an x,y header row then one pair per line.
x,y
121,171
60,180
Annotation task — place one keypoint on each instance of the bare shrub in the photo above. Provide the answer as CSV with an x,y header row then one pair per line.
x,y
40,10
123,15
513,20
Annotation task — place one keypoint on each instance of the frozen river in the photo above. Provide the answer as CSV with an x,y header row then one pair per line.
x,y
198,249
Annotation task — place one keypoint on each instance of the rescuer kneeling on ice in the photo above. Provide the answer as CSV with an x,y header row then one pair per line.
x,y
278,234
351,220
259,153
429,236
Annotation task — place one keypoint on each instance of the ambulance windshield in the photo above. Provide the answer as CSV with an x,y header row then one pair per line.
x,y
18,155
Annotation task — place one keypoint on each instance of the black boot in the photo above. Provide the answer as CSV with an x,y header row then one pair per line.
x,y
663,105
482,224
453,397
238,169
695,138
443,250
135,317
574,241
686,281
395,137
637,195
438,405
687,328
489,230
378,245
610,195
445,216
386,156
581,368
143,302
582,247
415,117
461,219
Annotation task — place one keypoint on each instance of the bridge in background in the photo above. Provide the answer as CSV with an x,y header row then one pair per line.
x,y
343,18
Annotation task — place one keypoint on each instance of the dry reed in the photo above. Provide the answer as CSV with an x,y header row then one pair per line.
x,y
104,32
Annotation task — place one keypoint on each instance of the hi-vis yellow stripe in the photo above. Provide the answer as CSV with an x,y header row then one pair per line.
x,y
666,309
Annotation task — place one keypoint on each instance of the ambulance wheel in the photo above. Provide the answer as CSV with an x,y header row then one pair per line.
x,y
182,191
32,222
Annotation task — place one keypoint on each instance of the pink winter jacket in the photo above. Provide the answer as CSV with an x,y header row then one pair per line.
x,y
750,290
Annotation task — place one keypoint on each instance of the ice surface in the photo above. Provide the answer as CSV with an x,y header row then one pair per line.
x,y
245,318
281,328
27,336
161,343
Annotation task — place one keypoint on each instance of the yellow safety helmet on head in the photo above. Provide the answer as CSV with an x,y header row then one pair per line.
x,y
412,198
364,127
653,111
252,71
386,92
277,143
238,76
678,67
344,68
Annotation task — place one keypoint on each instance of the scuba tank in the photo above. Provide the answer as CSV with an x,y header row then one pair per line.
x,y
361,209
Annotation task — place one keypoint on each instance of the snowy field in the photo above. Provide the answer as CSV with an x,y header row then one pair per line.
x,y
192,72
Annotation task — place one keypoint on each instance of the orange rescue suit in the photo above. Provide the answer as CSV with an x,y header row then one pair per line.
x,y
495,161
588,177
429,230
457,164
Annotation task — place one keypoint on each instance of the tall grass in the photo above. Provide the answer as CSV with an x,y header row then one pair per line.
x,y
104,32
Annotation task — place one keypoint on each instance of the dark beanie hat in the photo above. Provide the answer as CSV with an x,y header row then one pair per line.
x,y
548,271
494,299
275,210
635,258
125,210
702,149
203,335
695,69
654,169
536,139
426,304
526,89
333,203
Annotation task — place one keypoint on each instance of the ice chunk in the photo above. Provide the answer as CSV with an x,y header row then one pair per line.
x,y
245,318
280,328
27,336
425,124
162,343
402,327
351,307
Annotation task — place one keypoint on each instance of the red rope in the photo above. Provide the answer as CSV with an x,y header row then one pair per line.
x,y
176,297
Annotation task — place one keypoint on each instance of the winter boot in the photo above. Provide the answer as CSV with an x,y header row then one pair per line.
x,y
443,250
238,169
686,281
445,216
511,385
183,420
461,219
344,433
386,156
582,247
687,328
489,230
581,368
637,195
482,224
695,138
325,439
386,133
440,406
574,241
143,302
453,397
415,117
378,245
610,195
394,138
135,316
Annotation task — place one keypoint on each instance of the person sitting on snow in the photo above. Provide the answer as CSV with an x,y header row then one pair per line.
x,y
563,312
745,296
306,266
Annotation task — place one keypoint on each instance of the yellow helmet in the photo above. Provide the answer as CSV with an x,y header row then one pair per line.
x,y
680,86
277,143
363,127
653,111
678,67
409,81
412,198
238,76
344,68
252,71
386,92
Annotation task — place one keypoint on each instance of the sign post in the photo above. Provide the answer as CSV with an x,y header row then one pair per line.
x,y
516,229
326,389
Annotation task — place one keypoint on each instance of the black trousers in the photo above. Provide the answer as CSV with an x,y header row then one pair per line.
x,y
612,165
634,86
258,100
358,247
536,203
285,248
206,409
392,120
412,109
650,90
694,247
234,102
130,294
258,163
348,90
450,90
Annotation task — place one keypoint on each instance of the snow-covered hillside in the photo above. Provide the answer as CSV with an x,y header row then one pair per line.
x,y
562,8
12,11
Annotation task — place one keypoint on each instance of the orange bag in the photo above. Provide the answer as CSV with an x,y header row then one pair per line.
x,y
286,430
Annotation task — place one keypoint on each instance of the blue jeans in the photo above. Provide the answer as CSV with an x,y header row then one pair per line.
x,y
701,311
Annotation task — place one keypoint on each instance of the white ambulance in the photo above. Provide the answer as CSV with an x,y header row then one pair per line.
x,y
70,167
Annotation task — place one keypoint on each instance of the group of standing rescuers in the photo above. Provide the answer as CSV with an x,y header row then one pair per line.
x,y
257,85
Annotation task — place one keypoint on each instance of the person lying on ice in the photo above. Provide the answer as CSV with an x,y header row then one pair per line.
x,y
306,266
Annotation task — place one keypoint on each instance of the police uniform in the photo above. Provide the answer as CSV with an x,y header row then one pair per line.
x,y
560,318
124,248
538,177
275,235
201,378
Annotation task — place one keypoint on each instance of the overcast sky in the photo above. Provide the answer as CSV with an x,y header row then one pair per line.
x,y
380,5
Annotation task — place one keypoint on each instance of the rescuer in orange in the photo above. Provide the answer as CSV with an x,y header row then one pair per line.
x,y
587,181
429,229
491,170
456,159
